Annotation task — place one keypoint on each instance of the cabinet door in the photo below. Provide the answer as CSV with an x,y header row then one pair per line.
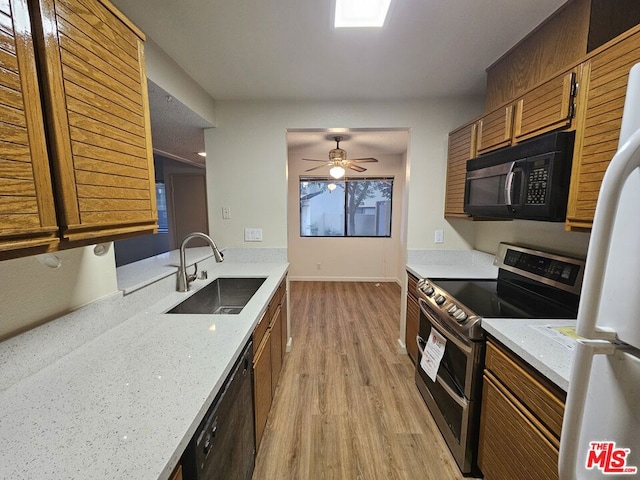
x,y
462,147
547,107
494,129
276,350
283,320
412,318
262,386
511,444
27,213
95,91
598,124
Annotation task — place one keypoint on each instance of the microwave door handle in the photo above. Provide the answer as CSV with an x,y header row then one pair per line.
x,y
508,185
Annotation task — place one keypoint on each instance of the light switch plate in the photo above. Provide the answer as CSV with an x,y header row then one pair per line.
x,y
439,236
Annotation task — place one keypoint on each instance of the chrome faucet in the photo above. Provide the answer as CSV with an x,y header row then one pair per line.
x,y
183,279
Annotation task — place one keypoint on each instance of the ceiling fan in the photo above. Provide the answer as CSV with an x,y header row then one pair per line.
x,y
338,161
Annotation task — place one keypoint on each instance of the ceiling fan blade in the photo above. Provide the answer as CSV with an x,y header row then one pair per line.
x,y
356,168
314,160
363,160
315,168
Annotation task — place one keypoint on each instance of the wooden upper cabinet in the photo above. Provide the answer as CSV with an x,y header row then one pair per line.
x,y
547,107
94,82
495,129
462,147
599,117
564,38
27,213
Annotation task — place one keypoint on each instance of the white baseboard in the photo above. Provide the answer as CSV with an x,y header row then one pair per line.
x,y
345,279
402,347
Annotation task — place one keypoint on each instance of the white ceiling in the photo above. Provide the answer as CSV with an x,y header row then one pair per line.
x,y
288,49
248,49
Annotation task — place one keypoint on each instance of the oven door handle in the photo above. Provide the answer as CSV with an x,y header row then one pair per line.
x,y
424,306
462,401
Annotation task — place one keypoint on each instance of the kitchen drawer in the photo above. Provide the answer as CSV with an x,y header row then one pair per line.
x,y
543,402
512,446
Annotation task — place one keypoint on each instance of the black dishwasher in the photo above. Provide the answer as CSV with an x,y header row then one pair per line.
x,y
223,446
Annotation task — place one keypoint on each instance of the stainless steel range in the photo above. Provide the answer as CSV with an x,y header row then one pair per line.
x,y
530,284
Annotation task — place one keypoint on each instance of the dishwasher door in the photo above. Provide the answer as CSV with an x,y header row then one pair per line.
x,y
223,446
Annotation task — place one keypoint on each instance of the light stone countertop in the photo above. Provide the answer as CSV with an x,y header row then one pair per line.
x,y
543,353
451,264
125,403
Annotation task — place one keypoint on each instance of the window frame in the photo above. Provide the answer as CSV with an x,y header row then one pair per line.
x,y
345,180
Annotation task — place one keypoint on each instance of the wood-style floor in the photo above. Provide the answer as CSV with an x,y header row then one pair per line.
x,y
346,406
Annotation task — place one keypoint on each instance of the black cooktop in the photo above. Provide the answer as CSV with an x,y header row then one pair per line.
x,y
512,297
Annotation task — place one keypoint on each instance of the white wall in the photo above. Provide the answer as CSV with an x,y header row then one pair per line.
x,y
168,75
545,235
357,259
31,293
247,162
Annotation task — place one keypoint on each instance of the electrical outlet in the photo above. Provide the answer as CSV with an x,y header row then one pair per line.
x,y
226,213
318,266
252,234
439,236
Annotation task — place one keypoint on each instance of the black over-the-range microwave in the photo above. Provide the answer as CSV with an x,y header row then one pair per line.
x,y
527,181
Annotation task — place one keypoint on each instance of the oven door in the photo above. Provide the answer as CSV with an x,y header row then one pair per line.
x,y
453,398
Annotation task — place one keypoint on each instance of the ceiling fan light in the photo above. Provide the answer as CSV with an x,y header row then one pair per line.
x,y
337,172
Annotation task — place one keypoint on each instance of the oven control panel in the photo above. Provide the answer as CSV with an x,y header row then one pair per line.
x,y
455,316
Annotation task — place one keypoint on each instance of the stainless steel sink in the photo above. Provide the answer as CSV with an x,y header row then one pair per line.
x,y
223,296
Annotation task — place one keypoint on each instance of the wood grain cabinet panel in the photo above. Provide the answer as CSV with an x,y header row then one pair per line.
x,y
511,445
495,130
520,420
412,319
462,147
599,120
94,80
276,350
262,386
547,107
27,211
269,343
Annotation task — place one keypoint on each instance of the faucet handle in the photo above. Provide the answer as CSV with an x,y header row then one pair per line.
x,y
203,275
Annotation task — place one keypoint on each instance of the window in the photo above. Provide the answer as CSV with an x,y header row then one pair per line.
x,y
350,207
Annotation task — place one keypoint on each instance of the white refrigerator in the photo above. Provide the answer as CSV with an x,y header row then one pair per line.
x,y
601,428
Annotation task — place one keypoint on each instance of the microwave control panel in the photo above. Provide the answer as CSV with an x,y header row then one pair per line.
x,y
537,185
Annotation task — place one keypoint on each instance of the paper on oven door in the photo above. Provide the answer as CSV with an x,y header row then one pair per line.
x,y
433,353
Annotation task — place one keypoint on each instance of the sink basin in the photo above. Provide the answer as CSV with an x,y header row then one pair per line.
x,y
223,296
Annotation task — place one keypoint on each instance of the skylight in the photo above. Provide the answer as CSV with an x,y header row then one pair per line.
x,y
361,13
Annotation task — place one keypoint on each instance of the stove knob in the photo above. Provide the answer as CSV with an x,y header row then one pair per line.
x,y
428,290
440,299
453,308
460,316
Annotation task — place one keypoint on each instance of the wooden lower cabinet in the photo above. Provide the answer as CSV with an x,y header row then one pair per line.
x,y
262,386
520,420
177,473
412,318
269,343
276,349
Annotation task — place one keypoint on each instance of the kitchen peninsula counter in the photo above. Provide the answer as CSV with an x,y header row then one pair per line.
x,y
82,400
